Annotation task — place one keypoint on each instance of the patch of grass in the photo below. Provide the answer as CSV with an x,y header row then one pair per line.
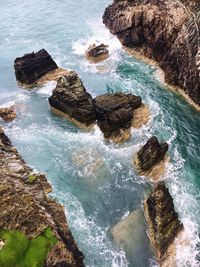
x,y
15,247
18,251
32,179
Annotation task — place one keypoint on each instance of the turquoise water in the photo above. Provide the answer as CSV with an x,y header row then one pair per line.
x,y
94,180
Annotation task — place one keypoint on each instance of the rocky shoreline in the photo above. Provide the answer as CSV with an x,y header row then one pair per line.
x,y
26,207
115,114
166,32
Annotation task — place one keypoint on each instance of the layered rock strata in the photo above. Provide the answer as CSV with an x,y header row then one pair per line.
x,y
70,99
163,224
151,158
166,31
115,115
97,53
31,67
25,206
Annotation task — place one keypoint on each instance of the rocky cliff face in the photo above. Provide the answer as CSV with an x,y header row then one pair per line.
x,y
166,31
25,206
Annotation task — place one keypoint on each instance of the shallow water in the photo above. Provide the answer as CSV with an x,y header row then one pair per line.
x,y
95,180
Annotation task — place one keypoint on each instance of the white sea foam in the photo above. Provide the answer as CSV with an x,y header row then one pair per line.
x,y
47,88
8,104
185,198
90,236
99,34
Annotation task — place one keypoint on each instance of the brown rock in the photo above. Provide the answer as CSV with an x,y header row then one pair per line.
x,y
8,113
96,53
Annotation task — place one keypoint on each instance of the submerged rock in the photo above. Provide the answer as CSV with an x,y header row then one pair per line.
x,y
31,67
163,223
131,236
150,155
115,115
8,113
25,206
166,31
71,100
96,53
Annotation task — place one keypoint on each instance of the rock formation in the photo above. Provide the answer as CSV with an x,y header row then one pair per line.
x,y
150,159
31,67
166,31
70,99
7,113
163,224
115,115
151,153
96,53
25,206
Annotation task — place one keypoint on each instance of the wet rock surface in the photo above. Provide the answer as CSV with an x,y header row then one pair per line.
x,y
166,31
96,53
70,97
115,114
150,154
25,206
163,223
8,113
31,67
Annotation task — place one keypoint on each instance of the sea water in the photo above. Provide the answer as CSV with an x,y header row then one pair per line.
x,y
95,180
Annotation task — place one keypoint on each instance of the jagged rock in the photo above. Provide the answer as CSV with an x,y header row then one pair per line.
x,y
70,99
115,114
96,53
25,206
31,67
163,223
166,31
8,113
150,154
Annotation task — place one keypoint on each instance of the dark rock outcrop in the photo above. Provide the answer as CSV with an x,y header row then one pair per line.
x,y
71,98
150,154
25,206
96,53
166,31
31,67
162,221
115,114
8,113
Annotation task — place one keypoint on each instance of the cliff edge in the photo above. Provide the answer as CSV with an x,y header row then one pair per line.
x,y
163,30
